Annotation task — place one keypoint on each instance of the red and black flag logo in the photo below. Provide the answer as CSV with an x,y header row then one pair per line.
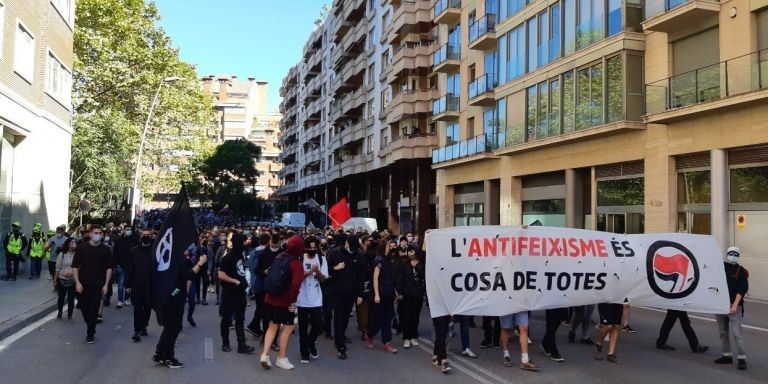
x,y
673,271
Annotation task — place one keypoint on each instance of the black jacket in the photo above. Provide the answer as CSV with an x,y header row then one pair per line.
x,y
410,280
122,250
350,279
137,268
738,281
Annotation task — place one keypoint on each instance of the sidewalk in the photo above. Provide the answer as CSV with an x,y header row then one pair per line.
x,y
23,302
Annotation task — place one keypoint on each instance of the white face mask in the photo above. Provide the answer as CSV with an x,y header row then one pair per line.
x,y
732,259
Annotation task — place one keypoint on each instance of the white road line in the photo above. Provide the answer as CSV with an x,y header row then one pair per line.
x,y
209,349
752,327
457,357
5,343
461,368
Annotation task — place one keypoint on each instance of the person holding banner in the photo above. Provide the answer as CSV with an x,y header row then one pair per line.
x,y
610,321
737,278
508,323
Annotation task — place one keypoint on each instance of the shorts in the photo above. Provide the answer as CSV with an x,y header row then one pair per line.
x,y
510,321
278,315
610,314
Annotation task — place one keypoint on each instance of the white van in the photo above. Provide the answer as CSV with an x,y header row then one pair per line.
x,y
293,220
365,223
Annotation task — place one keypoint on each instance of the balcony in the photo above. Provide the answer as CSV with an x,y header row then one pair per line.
x,y
446,59
447,11
409,147
481,90
411,56
739,81
482,33
411,16
482,144
353,133
446,108
353,165
354,10
408,103
671,15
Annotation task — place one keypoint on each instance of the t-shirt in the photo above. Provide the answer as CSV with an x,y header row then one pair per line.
x,y
386,282
310,294
232,265
56,242
92,262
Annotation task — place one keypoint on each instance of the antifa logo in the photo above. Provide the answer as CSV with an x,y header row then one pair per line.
x,y
673,272
164,249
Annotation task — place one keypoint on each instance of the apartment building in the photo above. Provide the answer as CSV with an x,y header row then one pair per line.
x,y
357,111
36,56
624,116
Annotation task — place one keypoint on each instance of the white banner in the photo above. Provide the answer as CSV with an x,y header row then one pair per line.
x,y
495,271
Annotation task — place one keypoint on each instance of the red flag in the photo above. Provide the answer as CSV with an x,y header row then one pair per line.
x,y
339,213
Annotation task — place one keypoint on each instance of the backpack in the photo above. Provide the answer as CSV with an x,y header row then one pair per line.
x,y
278,278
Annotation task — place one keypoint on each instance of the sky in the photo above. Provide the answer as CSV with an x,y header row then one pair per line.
x,y
247,38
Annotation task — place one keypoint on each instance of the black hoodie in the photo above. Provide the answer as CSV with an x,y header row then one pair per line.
x,y
349,280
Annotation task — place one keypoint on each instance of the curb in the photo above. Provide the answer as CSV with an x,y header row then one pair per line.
x,y
21,321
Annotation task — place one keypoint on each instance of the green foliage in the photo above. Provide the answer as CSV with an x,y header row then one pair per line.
x,y
230,176
121,56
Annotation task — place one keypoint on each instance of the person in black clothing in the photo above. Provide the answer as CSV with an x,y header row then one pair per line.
x,y
233,300
266,258
203,279
729,324
137,283
410,288
685,322
173,315
382,308
346,265
92,267
327,302
554,317
121,252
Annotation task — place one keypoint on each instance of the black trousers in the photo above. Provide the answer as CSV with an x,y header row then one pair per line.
x,y
491,329
685,322
141,310
11,265
258,321
52,268
380,318
173,313
409,316
342,307
310,326
203,281
90,300
441,333
68,294
232,306
553,319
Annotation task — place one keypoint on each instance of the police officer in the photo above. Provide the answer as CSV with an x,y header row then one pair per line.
x,y
14,244
36,251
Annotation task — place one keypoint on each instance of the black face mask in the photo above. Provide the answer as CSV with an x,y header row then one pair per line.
x,y
323,246
146,240
311,252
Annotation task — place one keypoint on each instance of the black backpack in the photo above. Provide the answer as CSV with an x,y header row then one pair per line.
x,y
278,279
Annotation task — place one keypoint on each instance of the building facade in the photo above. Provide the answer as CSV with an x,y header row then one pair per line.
x,y
36,56
622,116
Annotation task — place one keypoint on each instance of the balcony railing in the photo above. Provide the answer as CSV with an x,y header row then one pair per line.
x,y
447,103
465,148
655,7
483,84
442,5
486,24
743,74
447,52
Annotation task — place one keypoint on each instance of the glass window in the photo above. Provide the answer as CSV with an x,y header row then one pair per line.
x,y
694,187
554,107
501,63
614,17
569,27
516,54
615,78
531,113
621,192
543,54
543,108
24,53
452,134
501,111
544,206
596,101
453,86
749,185
590,27
532,44
569,102
554,35
589,106
58,81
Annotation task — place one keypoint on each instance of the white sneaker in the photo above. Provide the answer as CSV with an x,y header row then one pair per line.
x,y
284,363
265,362
406,343
127,303
119,304
414,343
468,353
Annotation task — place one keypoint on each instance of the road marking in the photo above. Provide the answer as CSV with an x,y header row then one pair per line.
x,y
209,349
752,327
5,343
457,357
459,367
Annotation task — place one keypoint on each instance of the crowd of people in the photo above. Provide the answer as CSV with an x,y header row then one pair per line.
x,y
316,279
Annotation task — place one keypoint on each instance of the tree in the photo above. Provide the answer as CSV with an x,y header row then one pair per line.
x,y
323,14
230,175
121,56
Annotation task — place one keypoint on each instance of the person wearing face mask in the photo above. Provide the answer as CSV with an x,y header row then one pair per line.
x,y
92,268
737,278
54,246
345,265
411,287
203,280
266,258
64,281
36,251
14,245
137,269
257,282
233,299
310,299
121,250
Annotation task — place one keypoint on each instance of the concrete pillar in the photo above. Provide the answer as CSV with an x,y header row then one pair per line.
x,y
491,202
423,180
444,197
719,174
572,199
511,200
394,201
660,182
593,198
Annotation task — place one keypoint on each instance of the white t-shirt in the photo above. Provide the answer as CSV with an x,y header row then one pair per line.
x,y
310,295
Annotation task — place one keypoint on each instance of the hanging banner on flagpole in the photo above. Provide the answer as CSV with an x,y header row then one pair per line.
x,y
496,270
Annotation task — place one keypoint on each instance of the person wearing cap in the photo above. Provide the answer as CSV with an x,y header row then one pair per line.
x,y
14,245
729,324
51,253
345,265
36,251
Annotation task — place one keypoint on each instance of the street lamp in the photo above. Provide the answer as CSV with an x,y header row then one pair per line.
x,y
141,145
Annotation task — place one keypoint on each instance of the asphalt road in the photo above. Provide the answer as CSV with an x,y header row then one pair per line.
x,y
54,351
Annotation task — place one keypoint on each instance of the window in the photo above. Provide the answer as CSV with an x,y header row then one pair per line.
x,y
749,185
569,27
569,103
543,109
554,32
516,53
543,54
371,74
532,44
590,28
614,17
370,144
554,107
451,134
589,106
471,127
66,9
531,113
453,86
58,80
24,52
762,29
615,96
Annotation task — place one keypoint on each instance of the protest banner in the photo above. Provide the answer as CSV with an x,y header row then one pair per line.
x,y
496,270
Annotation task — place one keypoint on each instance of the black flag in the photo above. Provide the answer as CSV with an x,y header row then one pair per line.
x,y
177,234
